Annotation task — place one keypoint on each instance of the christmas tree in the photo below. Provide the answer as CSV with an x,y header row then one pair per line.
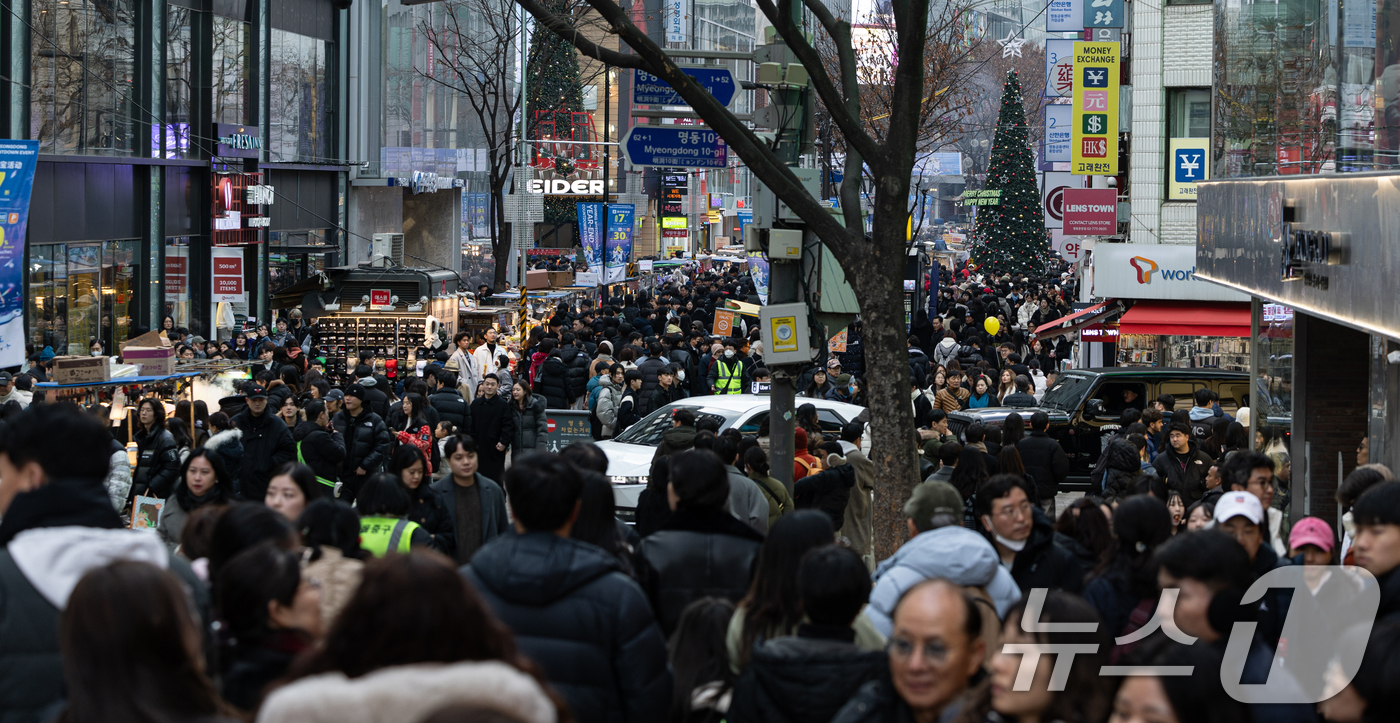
x,y
554,90
1011,236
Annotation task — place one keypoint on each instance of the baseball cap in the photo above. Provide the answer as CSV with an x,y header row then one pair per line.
x,y
196,339
833,364
6,377
335,394
1239,504
1312,531
257,392
934,497
357,391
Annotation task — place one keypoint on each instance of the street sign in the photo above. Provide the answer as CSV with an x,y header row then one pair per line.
x,y
1070,248
1095,126
647,89
1103,14
675,146
1064,16
1091,211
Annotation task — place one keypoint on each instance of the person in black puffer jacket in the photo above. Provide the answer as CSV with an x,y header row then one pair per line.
x,y
158,463
810,676
447,401
267,444
577,363
572,609
426,506
552,380
828,491
701,551
366,441
531,421
853,359
320,445
1121,465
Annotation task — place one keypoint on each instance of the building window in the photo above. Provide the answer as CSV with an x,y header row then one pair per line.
x,y
1188,113
79,292
82,74
299,111
172,140
231,49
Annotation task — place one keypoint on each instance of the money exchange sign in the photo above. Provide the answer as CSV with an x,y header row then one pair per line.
x,y
1095,128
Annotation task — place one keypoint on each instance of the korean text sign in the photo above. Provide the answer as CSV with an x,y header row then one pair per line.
x,y
619,243
1095,123
1190,164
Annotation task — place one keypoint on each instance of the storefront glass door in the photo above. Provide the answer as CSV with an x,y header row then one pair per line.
x,y
81,292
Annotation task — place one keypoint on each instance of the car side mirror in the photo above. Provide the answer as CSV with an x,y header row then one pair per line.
x,y
1094,407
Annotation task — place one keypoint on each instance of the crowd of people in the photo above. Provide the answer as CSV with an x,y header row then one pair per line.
x,y
395,549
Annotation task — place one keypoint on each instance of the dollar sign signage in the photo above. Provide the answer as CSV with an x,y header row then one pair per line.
x,y
1095,127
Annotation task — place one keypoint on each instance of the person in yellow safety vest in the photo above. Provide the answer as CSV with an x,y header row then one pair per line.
x,y
383,505
727,372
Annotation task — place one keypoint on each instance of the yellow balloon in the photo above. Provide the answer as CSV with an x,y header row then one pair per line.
x,y
992,325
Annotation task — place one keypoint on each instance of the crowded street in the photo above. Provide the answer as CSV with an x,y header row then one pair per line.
x,y
731,361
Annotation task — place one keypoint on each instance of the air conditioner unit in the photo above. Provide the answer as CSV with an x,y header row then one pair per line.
x,y
386,250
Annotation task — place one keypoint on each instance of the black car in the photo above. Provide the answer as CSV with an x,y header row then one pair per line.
x,y
1084,405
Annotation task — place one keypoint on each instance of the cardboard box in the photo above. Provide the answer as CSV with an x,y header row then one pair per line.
x,y
536,280
149,339
561,279
81,370
150,361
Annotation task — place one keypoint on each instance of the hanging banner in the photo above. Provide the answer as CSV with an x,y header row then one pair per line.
x,y
591,230
619,241
724,323
479,214
227,275
758,269
1058,137
17,162
1190,159
1095,127
1103,14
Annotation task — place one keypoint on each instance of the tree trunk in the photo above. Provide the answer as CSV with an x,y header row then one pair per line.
x,y
501,238
881,296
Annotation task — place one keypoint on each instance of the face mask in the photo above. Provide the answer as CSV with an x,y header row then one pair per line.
x,y
96,353
728,353
1013,545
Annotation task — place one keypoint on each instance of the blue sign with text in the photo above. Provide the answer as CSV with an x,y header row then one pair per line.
x,y
675,146
17,162
647,89
619,242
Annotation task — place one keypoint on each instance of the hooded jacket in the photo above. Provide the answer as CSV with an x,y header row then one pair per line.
x,y
552,382
807,677
53,536
228,445
576,614
1045,461
410,692
674,441
577,364
953,553
322,450
609,399
945,351
698,552
1122,464
531,424
366,440
828,490
157,464
451,407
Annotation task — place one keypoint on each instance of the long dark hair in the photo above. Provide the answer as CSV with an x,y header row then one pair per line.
x,y
331,523
1086,695
222,491
1012,430
772,605
1141,523
525,398
417,419
247,583
180,432
126,656
970,472
698,651
157,410
412,608
597,518
1084,521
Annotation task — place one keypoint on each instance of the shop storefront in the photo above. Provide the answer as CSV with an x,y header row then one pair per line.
x,y
1175,320
1317,255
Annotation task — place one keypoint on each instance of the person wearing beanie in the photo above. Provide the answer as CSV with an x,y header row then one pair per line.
x,y
366,438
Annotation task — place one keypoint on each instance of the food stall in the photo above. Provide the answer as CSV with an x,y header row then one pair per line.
x,y
394,313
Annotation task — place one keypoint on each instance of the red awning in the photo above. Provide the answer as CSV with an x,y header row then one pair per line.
x,y
1079,319
1186,318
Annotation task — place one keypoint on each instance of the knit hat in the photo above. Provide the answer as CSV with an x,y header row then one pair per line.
x,y
356,391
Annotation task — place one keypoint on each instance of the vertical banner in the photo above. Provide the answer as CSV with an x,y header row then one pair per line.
x,y
1058,137
619,241
227,275
1103,14
591,230
758,269
1059,68
1190,159
479,210
1095,128
177,273
17,162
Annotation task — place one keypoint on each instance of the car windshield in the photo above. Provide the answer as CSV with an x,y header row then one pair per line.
x,y
648,430
1068,392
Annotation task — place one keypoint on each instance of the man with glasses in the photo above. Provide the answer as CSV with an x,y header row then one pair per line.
x,y
935,657
1025,538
